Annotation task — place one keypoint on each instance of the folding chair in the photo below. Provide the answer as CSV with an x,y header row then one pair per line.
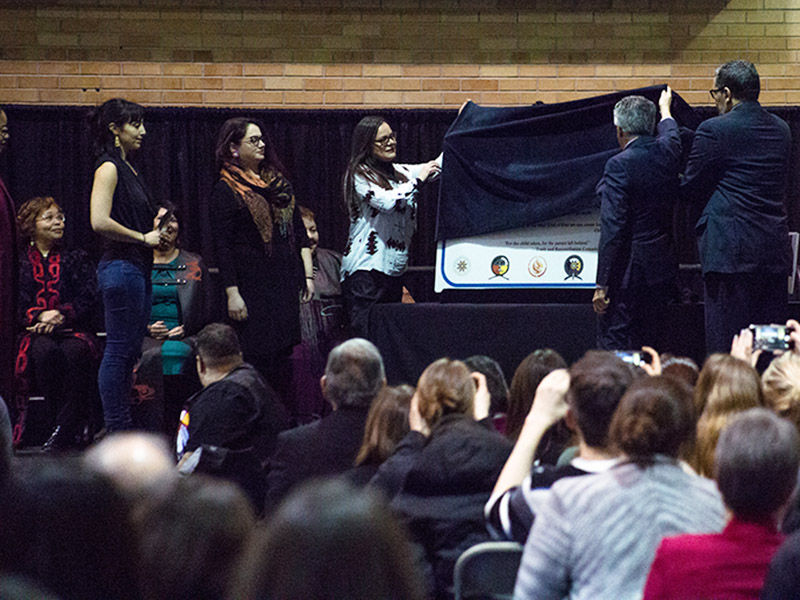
x,y
487,571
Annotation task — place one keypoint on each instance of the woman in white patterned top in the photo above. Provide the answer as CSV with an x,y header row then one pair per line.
x,y
380,198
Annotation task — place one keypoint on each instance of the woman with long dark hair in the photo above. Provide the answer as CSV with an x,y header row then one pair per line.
x,y
380,198
124,212
263,250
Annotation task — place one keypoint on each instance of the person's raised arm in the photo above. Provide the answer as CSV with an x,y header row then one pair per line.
x,y
549,405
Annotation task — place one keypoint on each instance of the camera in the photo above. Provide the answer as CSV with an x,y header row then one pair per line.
x,y
771,337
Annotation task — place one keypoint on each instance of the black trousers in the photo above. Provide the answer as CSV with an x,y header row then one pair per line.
x,y
635,317
364,289
734,301
61,369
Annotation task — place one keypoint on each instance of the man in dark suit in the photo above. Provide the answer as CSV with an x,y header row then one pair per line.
x,y
738,166
353,377
636,264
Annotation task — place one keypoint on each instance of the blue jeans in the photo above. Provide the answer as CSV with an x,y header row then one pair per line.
x,y
126,292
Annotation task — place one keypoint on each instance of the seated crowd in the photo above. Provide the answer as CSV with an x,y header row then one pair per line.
x,y
617,480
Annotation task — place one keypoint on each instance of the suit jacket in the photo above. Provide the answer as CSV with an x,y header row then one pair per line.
x,y
729,565
325,447
637,195
739,164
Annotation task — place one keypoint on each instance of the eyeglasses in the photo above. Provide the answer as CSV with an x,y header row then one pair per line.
x,y
715,91
51,218
383,141
256,140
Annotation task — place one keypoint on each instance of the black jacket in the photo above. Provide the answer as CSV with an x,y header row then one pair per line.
x,y
445,490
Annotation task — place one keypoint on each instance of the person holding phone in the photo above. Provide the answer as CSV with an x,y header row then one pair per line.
x,y
124,213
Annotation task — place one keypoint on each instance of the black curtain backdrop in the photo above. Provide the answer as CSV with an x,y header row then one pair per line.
x,y
49,153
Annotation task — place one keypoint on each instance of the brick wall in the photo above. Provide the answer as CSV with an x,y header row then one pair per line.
x,y
376,53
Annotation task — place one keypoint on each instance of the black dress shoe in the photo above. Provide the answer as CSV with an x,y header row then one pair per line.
x,y
60,439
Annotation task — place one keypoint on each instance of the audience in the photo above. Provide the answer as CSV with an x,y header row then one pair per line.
x,y
781,386
329,541
757,458
69,531
191,538
230,427
353,377
448,465
595,536
726,386
136,463
387,424
496,384
588,395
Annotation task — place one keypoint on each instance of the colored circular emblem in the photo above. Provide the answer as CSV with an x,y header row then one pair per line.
x,y
500,265
573,267
537,266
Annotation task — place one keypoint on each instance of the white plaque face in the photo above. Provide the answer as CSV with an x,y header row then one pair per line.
x,y
561,253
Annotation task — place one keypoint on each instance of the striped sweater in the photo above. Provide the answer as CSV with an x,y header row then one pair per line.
x,y
595,536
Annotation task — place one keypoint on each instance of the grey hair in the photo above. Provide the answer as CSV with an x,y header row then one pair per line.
x,y
354,373
756,464
635,115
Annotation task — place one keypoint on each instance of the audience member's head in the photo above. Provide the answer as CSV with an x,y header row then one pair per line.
x,y
680,367
635,115
69,530
135,462
191,539
781,386
757,458
445,387
741,78
527,377
387,424
217,350
597,383
329,541
354,374
726,386
654,417
495,381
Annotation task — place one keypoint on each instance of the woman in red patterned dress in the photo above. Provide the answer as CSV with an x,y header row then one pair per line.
x,y
56,356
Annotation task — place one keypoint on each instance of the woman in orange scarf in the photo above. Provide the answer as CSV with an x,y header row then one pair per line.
x,y
263,251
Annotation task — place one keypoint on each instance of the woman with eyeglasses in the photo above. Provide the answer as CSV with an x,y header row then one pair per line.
x,y
56,354
263,251
126,215
381,199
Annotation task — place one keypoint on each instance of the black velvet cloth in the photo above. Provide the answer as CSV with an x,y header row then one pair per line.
x,y
517,166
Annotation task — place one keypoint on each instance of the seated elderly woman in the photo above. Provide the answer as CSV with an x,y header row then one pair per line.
x,y
446,467
596,536
56,356
178,311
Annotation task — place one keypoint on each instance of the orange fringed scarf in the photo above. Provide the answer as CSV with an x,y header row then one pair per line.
x,y
269,198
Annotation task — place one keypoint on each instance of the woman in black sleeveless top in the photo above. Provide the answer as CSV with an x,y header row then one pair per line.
x,y
124,213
